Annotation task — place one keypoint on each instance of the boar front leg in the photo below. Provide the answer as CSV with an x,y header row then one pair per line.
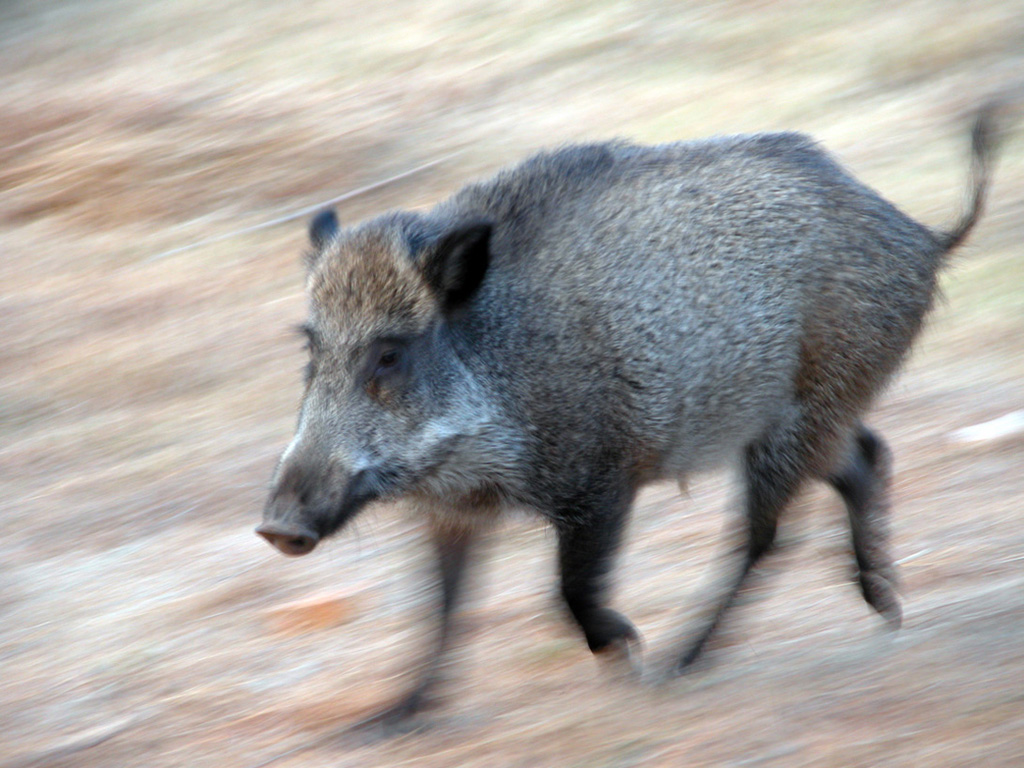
x,y
589,536
452,544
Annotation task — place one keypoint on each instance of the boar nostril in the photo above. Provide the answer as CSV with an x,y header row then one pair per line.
x,y
290,542
300,542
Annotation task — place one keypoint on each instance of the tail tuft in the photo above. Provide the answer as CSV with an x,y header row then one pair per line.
x,y
983,147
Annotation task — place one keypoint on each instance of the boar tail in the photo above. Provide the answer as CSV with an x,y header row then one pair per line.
x,y
983,147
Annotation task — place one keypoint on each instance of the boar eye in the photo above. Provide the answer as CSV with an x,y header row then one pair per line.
x,y
386,364
388,359
310,338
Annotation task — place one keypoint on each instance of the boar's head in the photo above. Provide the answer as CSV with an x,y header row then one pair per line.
x,y
388,396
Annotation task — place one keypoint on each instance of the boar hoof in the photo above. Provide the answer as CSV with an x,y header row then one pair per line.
x,y
881,595
623,658
397,719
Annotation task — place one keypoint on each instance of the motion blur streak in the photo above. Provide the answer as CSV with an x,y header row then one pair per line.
x,y
143,402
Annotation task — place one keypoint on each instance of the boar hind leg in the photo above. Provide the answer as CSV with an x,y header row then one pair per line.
x,y
863,482
588,539
773,472
452,545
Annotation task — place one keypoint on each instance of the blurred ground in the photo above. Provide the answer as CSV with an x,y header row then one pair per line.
x,y
144,395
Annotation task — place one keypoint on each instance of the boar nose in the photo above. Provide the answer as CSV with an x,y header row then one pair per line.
x,y
291,541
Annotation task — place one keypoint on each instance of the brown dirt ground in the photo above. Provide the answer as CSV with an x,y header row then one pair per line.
x,y
145,391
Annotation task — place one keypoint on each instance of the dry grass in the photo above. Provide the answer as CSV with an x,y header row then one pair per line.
x,y
143,399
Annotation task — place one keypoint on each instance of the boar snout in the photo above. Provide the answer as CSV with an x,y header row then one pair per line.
x,y
287,520
291,541
300,512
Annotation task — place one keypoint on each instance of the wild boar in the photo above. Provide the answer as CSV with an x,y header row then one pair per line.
x,y
598,318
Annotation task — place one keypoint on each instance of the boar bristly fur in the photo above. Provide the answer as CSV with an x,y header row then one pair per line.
x,y
598,318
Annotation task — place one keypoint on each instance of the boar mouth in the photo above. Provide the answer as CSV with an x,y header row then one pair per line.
x,y
295,528
297,531
366,486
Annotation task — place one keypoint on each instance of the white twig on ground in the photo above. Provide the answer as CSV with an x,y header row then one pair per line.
x,y
1008,425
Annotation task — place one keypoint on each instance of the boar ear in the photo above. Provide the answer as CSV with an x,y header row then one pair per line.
x,y
456,266
322,230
